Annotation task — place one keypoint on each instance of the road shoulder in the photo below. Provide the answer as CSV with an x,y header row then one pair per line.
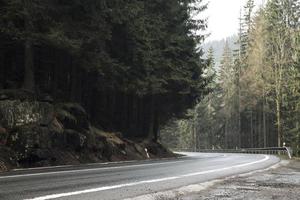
x,y
282,182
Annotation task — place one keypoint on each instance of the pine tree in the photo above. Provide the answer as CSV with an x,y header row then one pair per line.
x,y
279,44
227,82
132,64
240,64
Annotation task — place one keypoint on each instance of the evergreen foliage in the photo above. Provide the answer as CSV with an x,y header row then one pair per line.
x,y
258,84
132,64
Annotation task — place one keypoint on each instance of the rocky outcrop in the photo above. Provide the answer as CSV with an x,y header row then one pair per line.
x,y
35,132
17,113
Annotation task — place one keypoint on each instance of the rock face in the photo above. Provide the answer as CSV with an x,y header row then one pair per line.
x,y
26,128
32,129
38,133
16,113
3,136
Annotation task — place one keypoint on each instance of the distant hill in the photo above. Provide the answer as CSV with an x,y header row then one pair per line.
x,y
218,46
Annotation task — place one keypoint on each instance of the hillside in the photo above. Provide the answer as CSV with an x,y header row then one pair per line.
x,y
218,47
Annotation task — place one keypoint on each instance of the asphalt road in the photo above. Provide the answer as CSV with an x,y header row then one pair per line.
x,y
126,180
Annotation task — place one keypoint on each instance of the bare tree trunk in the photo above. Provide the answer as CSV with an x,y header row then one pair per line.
x,y
280,65
278,116
226,134
264,121
278,76
210,132
251,129
195,138
239,109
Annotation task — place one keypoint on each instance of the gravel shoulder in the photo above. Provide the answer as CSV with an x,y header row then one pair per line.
x,y
278,183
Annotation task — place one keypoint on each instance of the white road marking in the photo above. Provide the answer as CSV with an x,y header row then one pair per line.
x,y
86,170
54,196
172,194
88,164
39,168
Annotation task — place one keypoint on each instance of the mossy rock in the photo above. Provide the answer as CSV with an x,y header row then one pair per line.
x,y
75,139
3,136
17,113
72,116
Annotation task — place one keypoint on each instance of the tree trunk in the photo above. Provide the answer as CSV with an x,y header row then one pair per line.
x,y
264,124
124,113
141,117
29,83
134,128
112,105
138,117
226,134
2,69
151,118
239,108
196,138
278,117
55,75
74,81
156,127
251,129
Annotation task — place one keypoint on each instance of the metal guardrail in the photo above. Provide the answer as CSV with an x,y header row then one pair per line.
x,y
270,150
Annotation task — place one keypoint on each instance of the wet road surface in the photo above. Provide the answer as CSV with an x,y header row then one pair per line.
x,y
126,180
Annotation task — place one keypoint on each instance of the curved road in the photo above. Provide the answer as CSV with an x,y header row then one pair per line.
x,y
127,179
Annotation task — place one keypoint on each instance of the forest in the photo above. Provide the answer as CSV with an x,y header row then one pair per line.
x,y
130,64
89,77
254,95
103,80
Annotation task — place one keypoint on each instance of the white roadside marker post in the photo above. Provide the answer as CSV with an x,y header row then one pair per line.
x,y
146,150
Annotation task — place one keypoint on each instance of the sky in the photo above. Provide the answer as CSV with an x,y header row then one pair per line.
x,y
223,17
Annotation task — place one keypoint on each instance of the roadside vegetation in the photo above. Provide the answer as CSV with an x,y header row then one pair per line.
x,y
68,68
254,98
